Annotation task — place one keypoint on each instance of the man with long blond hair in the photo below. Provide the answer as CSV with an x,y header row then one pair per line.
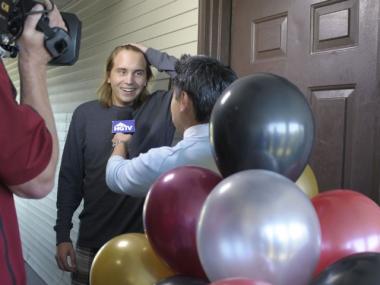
x,y
122,96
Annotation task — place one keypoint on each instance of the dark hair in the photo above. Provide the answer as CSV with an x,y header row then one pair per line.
x,y
105,92
203,78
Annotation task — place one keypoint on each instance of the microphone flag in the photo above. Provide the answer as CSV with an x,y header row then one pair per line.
x,y
123,126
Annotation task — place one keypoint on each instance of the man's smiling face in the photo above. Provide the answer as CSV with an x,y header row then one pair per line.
x,y
128,77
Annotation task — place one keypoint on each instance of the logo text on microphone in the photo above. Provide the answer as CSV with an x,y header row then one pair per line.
x,y
125,126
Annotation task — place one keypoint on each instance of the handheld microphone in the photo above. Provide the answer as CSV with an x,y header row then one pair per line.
x,y
124,122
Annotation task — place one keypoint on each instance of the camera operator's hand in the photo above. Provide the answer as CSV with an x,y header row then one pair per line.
x,y
31,42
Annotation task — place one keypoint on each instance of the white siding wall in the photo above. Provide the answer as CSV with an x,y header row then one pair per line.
x,y
168,25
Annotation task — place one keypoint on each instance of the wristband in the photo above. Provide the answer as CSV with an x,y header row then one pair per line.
x,y
116,143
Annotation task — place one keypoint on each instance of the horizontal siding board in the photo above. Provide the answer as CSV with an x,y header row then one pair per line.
x,y
86,9
58,88
121,25
124,15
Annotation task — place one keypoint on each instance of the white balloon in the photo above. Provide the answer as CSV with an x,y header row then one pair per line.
x,y
258,224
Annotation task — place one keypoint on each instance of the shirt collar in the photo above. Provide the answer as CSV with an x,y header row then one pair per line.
x,y
197,130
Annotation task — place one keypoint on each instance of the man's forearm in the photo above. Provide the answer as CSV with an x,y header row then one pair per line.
x,y
162,61
118,180
33,89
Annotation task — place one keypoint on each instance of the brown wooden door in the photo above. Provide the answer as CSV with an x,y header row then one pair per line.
x,y
330,50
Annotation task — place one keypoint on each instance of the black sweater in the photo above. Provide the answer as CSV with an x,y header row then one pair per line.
x,y
87,149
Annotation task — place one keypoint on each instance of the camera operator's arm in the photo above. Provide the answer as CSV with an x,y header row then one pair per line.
x,y
32,68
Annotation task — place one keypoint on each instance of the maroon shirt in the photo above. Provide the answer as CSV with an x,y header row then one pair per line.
x,y
25,150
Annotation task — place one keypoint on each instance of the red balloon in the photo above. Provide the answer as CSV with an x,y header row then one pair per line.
x,y
171,213
350,223
239,281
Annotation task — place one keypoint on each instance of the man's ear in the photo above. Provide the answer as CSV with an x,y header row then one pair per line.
x,y
184,101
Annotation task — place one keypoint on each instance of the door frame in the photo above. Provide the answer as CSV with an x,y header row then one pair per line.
x,y
214,29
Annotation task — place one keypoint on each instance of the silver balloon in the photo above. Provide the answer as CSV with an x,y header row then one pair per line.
x,y
258,224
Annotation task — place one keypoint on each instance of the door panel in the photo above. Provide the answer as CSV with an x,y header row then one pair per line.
x,y
329,49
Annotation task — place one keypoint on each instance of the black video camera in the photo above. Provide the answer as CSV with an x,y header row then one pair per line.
x,y
62,45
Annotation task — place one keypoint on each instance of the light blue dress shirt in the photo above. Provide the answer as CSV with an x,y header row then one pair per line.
x,y
135,176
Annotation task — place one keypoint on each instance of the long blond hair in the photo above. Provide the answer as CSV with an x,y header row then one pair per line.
x,y
105,91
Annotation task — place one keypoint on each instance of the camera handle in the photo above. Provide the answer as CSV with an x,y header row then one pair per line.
x,y
63,46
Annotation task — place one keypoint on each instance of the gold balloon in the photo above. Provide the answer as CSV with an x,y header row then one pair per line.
x,y
308,183
128,259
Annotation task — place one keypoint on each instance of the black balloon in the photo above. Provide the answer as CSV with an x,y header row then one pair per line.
x,y
181,280
356,269
262,121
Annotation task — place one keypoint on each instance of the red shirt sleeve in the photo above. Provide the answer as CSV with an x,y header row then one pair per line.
x,y
25,142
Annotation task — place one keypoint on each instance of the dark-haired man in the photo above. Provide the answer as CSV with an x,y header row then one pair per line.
x,y
199,82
